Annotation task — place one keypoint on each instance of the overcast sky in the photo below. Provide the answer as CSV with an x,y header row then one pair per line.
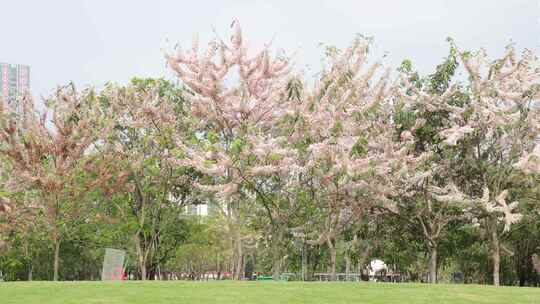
x,y
94,41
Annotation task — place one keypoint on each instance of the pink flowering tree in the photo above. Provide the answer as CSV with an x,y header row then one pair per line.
x,y
501,127
350,157
239,101
428,104
492,140
6,220
146,189
47,156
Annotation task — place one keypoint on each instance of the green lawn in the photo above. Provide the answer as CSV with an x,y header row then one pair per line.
x,y
258,292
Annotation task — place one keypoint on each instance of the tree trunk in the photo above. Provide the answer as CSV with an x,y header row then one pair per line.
x,y
333,260
496,257
432,266
238,265
347,266
239,272
142,268
277,255
218,267
56,258
29,264
141,260
243,270
233,224
276,268
30,271
362,259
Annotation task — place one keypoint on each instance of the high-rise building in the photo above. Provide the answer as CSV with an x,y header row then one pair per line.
x,y
14,81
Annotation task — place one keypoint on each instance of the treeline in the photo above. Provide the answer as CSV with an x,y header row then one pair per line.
x,y
435,174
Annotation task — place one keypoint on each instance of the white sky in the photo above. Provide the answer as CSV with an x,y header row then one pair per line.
x,y
94,41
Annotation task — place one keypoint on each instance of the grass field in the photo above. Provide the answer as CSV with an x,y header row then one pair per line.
x,y
258,292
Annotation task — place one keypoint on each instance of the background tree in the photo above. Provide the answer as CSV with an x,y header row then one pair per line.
x,y
149,192
434,98
351,159
47,157
486,136
238,101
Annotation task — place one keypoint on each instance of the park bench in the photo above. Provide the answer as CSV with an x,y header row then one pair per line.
x,y
324,276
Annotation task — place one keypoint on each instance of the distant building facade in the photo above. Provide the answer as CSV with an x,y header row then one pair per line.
x,y
14,81
199,210
204,209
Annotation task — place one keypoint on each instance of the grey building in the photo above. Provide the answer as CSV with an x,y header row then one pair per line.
x,y
14,81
